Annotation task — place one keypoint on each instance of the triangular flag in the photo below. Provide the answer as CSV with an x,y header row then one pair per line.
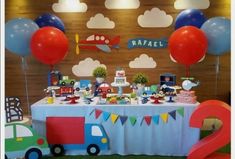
x,y
173,114
155,119
148,119
97,113
181,111
164,117
114,118
106,116
123,119
132,120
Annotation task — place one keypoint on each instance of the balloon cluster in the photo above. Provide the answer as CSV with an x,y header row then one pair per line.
x,y
44,38
195,35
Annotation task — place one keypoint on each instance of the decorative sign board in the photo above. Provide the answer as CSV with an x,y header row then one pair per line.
x,y
192,4
155,18
13,109
69,6
122,4
147,43
99,21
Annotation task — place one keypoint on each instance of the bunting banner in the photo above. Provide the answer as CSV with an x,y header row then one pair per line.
x,y
148,119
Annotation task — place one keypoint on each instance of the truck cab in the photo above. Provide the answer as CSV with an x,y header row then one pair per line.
x,y
96,138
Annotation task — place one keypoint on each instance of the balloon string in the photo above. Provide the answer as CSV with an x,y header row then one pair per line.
x,y
24,67
187,68
217,69
51,67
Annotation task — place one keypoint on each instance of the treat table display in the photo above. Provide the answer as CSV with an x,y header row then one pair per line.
x,y
151,129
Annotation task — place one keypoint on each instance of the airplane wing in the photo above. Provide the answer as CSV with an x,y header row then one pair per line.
x,y
104,48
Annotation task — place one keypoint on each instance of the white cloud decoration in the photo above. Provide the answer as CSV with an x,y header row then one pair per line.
x,y
85,68
99,21
143,61
155,18
192,4
122,4
69,6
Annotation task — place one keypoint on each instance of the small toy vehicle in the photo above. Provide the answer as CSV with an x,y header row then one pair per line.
x,y
82,85
149,91
66,81
104,88
22,141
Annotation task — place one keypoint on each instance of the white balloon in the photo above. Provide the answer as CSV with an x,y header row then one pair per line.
x,y
187,85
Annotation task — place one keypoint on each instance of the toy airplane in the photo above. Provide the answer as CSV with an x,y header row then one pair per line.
x,y
97,42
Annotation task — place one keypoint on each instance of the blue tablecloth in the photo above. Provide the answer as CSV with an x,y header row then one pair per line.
x,y
174,138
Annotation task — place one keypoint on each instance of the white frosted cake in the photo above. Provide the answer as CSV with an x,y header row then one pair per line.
x,y
120,77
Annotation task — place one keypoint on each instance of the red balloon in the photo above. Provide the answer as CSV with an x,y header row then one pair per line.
x,y
49,45
188,45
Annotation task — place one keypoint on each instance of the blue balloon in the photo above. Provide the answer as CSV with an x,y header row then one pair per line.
x,y
218,32
18,33
48,19
190,17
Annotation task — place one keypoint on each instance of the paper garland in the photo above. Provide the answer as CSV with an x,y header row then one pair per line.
x,y
133,119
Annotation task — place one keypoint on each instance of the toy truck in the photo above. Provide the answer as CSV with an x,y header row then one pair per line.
x,y
72,133
152,90
82,85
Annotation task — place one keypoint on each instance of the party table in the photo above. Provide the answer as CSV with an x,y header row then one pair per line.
x,y
149,129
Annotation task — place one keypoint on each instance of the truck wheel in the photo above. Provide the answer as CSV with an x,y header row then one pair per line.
x,y
57,150
33,153
72,82
63,83
78,89
93,150
6,157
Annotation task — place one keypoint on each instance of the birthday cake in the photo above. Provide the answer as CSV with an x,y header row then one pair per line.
x,y
120,77
186,97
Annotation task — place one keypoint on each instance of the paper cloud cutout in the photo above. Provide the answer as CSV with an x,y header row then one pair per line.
x,y
144,61
86,67
192,4
69,6
100,22
155,18
122,4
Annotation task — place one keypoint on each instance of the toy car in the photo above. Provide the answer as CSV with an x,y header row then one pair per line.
x,y
66,81
22,141
104,88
